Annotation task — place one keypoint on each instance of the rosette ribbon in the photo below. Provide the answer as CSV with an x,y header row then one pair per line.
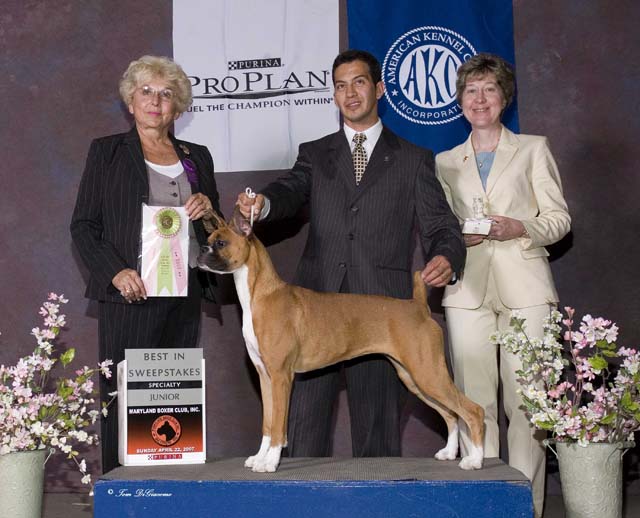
x,y
191,170
170,260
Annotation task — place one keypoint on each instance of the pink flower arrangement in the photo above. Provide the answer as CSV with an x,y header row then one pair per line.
x,y
38,413
592,402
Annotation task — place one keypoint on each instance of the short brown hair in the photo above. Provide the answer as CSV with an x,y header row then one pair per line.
x,y
482,64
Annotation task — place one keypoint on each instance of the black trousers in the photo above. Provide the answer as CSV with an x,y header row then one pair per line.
x,y
375,396
160,322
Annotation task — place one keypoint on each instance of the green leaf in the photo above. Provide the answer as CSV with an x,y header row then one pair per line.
x,y
609,354
67,357
628,403
608,419
598,363
603,344
64,391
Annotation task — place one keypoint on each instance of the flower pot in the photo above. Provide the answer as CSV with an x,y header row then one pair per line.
x,y
591,478
22,484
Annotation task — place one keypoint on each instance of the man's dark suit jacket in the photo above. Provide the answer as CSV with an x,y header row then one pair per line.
x,y
107,219
366,230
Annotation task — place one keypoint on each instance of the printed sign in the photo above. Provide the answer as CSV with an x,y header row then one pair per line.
x,y
261,77
420,45
161,407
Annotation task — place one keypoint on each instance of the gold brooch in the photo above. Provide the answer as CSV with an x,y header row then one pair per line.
x,y
185,149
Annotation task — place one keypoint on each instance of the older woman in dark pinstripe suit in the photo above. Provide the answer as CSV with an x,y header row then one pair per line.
x,y
145,165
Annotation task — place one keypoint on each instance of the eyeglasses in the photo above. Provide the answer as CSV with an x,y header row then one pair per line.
x,y
165,94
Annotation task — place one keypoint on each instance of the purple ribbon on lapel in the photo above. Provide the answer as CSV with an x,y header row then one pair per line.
x,y
191,170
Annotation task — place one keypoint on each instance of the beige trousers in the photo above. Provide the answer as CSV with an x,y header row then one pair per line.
x,y
478,368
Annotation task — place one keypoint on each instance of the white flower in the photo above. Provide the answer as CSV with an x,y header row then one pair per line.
x,y
574,407
37,428
35,414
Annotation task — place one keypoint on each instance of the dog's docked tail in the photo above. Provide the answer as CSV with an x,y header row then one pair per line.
x,y
420,291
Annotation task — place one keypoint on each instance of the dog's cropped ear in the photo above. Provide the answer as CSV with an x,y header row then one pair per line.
x,y
240,224
213,222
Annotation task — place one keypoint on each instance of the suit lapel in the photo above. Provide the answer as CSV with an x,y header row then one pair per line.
x,y
466,162
184,151
341,160
381,160
139,167
507,147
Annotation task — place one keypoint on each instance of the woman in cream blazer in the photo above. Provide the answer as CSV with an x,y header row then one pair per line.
x,y
517,179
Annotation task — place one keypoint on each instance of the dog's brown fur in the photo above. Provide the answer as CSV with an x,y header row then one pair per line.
x,y
289,329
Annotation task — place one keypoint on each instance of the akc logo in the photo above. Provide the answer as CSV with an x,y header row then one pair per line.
x,y
419,73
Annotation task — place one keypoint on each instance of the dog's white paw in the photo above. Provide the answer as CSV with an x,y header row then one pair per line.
x,y
250,462
447,453
473,460
262,452
450,451
470,463
263,467
268,463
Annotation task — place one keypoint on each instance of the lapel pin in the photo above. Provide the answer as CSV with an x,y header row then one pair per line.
x,y
185,149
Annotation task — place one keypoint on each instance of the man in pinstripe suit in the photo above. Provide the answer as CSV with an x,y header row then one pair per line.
x,y
361,240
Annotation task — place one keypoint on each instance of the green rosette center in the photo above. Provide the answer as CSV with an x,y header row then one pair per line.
x,y
168,222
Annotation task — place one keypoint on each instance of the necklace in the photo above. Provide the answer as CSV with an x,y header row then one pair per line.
x,y
489,155
482,162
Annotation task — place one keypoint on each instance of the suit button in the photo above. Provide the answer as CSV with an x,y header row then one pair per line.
x,y
342,265
354,209
174,194
350,236
172,182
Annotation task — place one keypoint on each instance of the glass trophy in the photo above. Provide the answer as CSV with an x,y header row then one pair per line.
x,y
479,223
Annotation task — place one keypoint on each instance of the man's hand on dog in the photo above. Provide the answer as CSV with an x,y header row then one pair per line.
x,y
130,285
245,204
437,272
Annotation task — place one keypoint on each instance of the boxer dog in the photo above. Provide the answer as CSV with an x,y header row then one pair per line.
x,y
289,329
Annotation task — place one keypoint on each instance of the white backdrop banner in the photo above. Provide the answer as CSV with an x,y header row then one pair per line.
x,y
261,76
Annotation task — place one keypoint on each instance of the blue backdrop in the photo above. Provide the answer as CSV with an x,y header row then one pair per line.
x,y
421,44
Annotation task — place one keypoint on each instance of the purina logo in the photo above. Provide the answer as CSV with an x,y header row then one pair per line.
x,y
255,63
419,72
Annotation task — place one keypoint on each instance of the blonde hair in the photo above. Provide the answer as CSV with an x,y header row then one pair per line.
x,y
150,67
